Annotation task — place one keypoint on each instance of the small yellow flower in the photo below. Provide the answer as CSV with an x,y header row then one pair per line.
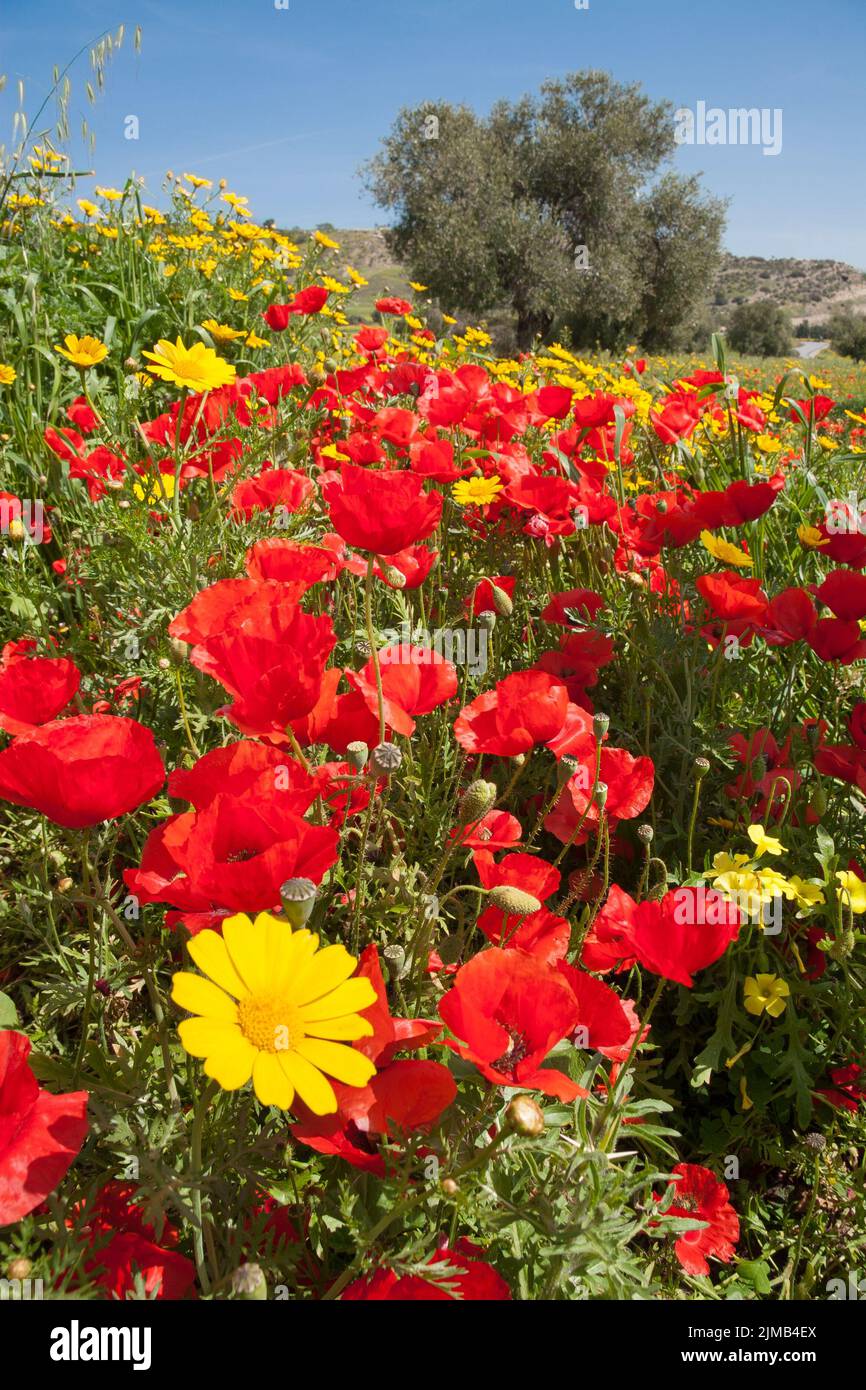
x,y
112,195
253,340
273,1007
765,993
89,209
196,368
161,489
238,296
198,182
419,289
764,843
811,537
724,551
807,894
7,374
768,444
82,352
326,241
479,492
222,332
356,277
446,318
852,891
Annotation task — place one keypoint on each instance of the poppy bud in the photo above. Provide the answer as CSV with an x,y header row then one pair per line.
x,y
64,885
357,754
662,507
645,834
385,759
523,1115
566,768
396,578
519,759
600,725
297,896
818,801
179,650
317,374
486,620
843,947
758,769
599,796
249,1283
513,900
502,604
476,802
330,364
701,768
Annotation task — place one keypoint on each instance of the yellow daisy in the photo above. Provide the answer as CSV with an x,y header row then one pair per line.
x,y
222,332
82,352
7,374
476,491
196,368
723,550
276,1009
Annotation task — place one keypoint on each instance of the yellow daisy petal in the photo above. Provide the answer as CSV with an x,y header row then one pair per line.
x,y
348,998
210,954
270,1082
232,1069
201,996
313,1088
345,1029
327,970
244,944
203,1036
344,1063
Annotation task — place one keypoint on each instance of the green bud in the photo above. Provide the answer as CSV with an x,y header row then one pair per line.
x,y
502,604
476,801
513,900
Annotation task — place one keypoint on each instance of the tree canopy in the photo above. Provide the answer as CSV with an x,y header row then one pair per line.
x,y
554,206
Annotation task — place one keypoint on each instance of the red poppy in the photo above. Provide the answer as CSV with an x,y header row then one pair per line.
x,y
526,708
40,1134
133,1247
847,1090
282,488
511,1009
379,511
463,1277
393,305
629,783
834,640
34,690
292,562
308,301
83,770
701,1196
405,1095
496,830
844,593
687,931
415,680
585,603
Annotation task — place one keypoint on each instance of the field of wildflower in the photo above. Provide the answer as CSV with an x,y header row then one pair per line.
x,y
431,852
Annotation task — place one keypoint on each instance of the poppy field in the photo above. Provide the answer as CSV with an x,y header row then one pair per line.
x,y
431,788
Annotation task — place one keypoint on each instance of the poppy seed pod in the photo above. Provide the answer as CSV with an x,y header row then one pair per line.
x,y
523,1115
486,620
599,796
645,834
600,725
701,767
396,958
513,900
566,768
357,754
297,896
385,759
477,800
249,1283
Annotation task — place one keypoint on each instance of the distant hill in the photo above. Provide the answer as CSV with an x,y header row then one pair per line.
x,y
808,290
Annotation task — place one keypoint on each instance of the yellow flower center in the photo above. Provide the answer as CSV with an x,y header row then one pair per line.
x,y
270,1022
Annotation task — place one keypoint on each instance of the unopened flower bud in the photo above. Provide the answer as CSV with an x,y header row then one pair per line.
x,y
818,801
317,374
297,896
357,754
513,900
450,1187
758,769
249,1283
179,650
502,604
396,578
385,759
523,1115
476,801
19,1268
64,885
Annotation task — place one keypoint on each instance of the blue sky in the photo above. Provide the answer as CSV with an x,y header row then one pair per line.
x,y
286,103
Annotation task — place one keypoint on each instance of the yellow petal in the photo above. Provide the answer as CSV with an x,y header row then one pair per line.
x,y
202,1036
346,1028
271,1084
312,1087
210,954
325,971
201,996
348,998
246,949
232,1069
344,1063
278,947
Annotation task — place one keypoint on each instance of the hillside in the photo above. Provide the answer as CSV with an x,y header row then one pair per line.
x,y
807,289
